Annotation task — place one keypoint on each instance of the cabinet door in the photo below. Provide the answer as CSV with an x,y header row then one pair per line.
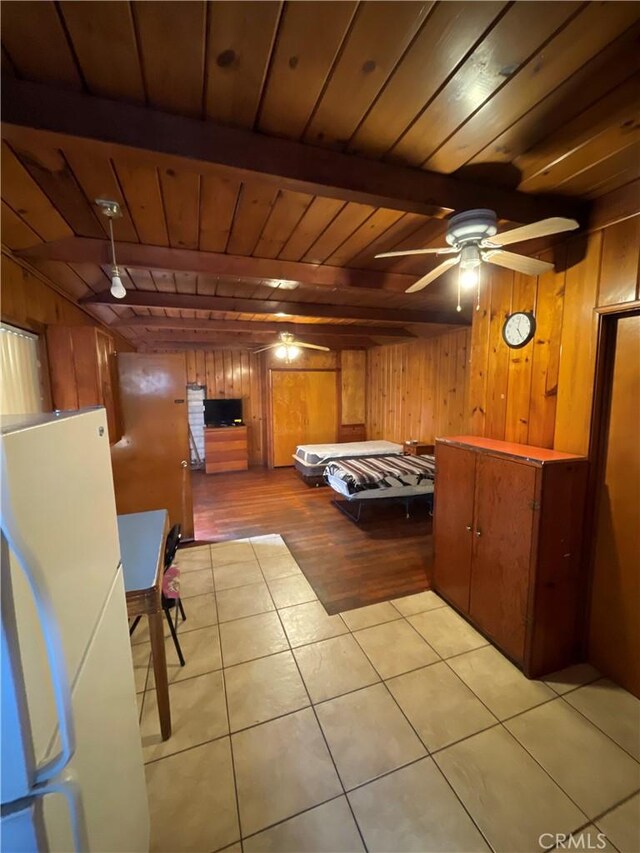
x,y
84,372
62,370
453,519
502,539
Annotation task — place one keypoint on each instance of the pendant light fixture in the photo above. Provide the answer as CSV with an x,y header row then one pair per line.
x,y
111,209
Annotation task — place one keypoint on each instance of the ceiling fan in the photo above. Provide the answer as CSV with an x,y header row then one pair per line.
x,y
287,347
473,238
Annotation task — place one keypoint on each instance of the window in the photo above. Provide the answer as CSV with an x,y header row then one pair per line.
x,y
20,386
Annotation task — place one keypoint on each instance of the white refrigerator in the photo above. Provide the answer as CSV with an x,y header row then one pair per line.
x,y
72,768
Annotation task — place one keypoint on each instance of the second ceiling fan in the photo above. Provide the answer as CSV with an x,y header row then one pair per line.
x,y
287,347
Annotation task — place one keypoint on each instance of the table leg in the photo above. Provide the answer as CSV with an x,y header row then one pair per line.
x,y
156,630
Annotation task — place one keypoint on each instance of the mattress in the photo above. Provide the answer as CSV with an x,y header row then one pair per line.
x,y
387,476
309,471
320,454
338,485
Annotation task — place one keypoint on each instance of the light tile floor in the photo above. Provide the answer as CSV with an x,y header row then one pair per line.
x,y
395,727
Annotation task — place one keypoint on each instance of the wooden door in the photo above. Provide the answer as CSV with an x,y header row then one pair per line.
x,y
151,462
502,539
304,410
453,522
614,622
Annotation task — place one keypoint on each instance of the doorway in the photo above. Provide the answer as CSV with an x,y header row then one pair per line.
x,y
613,636
304,410
195,403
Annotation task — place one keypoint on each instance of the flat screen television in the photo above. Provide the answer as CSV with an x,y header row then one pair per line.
x,y
226,412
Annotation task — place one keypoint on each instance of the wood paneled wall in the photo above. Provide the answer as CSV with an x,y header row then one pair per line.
x,y
542,394
306,360
234,373
28,302
418,389
239,373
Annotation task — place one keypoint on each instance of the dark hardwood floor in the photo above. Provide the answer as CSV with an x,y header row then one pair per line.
x,y
348,564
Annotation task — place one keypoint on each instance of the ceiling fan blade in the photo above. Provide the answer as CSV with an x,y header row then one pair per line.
x,y
310,346
433,275
443,250
519,263
554,225
270,346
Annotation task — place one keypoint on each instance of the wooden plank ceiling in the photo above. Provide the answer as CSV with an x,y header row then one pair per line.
x,y
217,246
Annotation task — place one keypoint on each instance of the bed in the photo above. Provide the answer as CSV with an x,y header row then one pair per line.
x,y
311,459
381,477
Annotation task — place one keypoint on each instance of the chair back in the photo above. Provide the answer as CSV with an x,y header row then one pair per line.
x,y
171,546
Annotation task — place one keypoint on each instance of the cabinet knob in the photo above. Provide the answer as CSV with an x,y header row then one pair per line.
x,y
478,533
184,463
469,528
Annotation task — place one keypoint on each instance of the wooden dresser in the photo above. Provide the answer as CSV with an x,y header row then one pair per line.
x,y
508,542
225,449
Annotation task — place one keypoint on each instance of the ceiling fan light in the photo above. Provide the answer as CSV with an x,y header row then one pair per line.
x,y
117,287
281,352
470,257
469,277
294,351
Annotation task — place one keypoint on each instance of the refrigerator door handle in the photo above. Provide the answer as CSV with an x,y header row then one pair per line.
x,y
67,785
34,837
48,623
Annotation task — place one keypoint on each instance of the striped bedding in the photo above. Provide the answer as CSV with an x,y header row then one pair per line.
x,y
382,472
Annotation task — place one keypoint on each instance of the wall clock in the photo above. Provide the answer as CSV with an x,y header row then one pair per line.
x,y
519,329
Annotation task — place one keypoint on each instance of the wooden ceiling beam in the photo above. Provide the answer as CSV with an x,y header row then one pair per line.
x,y
238,305
244,342
262,327
69,120
169,347
82,250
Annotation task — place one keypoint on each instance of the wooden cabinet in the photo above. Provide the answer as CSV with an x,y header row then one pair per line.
x,y
508,531
83,372
225,449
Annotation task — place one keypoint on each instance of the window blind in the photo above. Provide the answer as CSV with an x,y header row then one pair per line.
x,y
20,388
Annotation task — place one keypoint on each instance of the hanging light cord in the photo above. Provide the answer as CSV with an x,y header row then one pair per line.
x,y
113,246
